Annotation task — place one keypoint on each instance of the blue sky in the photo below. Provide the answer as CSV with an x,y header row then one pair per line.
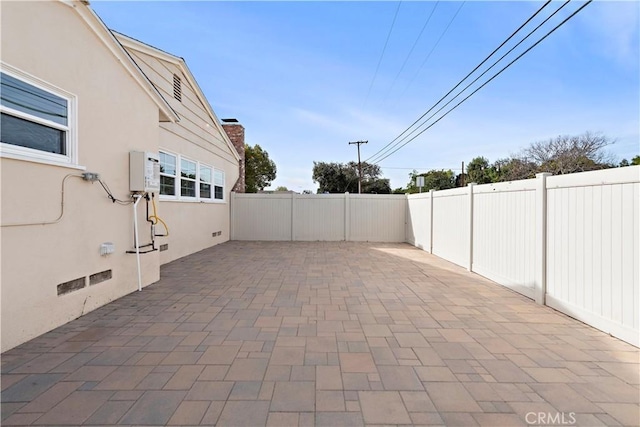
x,y
298,76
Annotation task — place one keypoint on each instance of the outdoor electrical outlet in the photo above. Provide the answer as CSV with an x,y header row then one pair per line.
x,y
90,176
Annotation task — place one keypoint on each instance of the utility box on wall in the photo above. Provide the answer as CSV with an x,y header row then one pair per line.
x,y
144,172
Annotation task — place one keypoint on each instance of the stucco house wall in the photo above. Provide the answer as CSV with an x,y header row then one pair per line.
x,y
63,45
194,223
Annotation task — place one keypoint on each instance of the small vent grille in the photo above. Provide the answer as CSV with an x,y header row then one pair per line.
x,y
216,233
164,247
177,88
94,279
71,286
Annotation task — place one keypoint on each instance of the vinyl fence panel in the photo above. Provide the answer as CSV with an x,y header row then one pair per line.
x,y
451,225
593,232
418,230
377,218
504,234
318,217
256,217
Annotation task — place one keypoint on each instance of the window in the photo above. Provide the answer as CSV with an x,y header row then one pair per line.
x,y
36,119
219,184
167,174
205,182
189,180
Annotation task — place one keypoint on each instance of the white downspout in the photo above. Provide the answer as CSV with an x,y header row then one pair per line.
x,y
135,232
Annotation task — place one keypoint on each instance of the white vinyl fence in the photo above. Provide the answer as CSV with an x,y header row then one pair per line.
x,y
504,234
318,217
593,233
571,242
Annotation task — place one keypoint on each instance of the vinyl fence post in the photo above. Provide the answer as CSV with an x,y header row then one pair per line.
x,y
232,207
470,265
431,194
293,216
347,217
541,238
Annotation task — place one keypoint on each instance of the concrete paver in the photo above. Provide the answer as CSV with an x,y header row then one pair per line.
x,y
293,333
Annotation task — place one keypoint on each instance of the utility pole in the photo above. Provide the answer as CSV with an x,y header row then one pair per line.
x,y
462,175
359,165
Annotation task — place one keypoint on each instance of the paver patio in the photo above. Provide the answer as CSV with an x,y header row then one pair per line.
x,y
290,333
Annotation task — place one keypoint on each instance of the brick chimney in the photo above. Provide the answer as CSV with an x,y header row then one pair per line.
x,y
235,132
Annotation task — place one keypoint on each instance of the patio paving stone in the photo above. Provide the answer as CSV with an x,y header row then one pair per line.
x,y
75,409
383,407
295,396
320,333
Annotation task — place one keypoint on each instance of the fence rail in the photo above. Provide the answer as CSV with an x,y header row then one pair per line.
x,y
571,242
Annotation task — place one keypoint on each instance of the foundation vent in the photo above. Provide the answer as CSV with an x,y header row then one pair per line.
x,y
94,279
164,247
71,286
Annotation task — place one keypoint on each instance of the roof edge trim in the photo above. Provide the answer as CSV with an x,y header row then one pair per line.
x,y
93,21
131,43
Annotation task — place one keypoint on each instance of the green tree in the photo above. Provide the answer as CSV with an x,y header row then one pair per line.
x,y
376,186
282,188
331,177
479,171
342,178
635,160
433,179
259,169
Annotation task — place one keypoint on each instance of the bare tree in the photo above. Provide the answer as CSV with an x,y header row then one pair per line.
x,y
514,168
568,154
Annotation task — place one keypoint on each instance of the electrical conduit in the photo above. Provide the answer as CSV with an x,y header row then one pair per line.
x,y
138,197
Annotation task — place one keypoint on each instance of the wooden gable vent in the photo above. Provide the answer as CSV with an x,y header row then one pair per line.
x,y
177,87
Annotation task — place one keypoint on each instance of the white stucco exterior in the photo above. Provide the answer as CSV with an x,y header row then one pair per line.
x,y
65,45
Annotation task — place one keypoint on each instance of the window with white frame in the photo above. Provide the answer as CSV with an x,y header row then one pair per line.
x,y
186,179
37,119
205,182
218,184
168,174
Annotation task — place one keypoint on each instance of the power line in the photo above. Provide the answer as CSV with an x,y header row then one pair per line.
x,y
412,48
476,79
375,74
432,49
463,79
487,82
416,169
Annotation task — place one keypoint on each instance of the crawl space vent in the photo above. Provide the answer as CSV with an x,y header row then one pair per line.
x,y
71,285
94,279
